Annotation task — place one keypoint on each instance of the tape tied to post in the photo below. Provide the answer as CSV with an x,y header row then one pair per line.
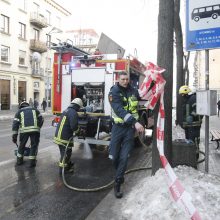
x,y
152,89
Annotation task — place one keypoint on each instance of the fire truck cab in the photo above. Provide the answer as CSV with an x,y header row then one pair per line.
x,y
90,77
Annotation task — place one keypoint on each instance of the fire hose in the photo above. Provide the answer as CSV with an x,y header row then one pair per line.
x,y
108,185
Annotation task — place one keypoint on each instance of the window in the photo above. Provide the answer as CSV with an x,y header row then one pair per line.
x,y
22,57
22,30
196,11
216,7
4,23
22,85
36,34
48,40
5,53
36,85
23,5
208,8
48,16
202,10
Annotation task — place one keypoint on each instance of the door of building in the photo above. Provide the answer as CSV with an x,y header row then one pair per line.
x,y
4,94
21,91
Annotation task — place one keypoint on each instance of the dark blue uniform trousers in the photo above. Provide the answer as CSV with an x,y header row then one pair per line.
x,y
35,139
193,133
122,141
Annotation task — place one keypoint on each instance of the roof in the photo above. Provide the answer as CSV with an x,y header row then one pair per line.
x,y
90,32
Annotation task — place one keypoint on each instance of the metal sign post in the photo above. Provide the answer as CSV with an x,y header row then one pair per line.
x,y
203,33
207,117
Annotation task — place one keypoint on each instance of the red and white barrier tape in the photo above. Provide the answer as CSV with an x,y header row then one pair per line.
x,y
179,194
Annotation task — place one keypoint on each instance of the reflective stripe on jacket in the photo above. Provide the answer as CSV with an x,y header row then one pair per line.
x,y
26,120
124,103
67,125
190,118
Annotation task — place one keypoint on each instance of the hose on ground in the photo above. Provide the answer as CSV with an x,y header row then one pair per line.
x,y
203,159
108,185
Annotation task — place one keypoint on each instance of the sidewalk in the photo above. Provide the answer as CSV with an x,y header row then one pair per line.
x,y
110,207
8,114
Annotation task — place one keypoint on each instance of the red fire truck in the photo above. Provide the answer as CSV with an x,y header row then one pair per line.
x,y
90,77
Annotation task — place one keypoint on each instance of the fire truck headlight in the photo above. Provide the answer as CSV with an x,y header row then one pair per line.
x,y
72,65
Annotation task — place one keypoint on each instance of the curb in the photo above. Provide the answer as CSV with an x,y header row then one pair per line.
x,y
8,117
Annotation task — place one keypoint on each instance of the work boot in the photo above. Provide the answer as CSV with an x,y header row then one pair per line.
x,y
19,161
32,163
69,168
118,193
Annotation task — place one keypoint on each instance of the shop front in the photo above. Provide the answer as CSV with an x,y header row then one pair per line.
x,y
4,94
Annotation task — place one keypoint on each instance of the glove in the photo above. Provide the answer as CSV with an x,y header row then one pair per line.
x,y
14,138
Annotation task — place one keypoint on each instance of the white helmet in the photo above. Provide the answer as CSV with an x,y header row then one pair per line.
x,y
77,101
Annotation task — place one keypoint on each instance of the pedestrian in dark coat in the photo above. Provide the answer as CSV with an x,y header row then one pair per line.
x,y
36,104
44,104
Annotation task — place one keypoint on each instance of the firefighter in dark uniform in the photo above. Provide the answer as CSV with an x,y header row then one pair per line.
x,y
64,131
27,122
124,102
191,121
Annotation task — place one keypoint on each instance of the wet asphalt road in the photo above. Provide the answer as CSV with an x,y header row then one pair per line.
x,y
39,193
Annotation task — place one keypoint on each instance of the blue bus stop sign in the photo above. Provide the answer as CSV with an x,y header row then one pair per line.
x,y
202,24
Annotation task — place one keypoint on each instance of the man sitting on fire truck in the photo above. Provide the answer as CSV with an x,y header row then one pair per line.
x,y
64,131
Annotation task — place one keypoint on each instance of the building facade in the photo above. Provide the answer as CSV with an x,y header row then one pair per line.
x,y
26,59
214,67
84,39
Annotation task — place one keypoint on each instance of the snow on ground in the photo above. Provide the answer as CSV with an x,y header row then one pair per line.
x,y
150,199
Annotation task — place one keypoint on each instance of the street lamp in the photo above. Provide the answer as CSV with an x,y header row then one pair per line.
x,y
54,30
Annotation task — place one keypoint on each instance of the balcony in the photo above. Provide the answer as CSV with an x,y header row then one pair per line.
x,y
38,20
37,72
38,46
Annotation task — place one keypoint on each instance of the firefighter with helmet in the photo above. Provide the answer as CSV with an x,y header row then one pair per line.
x,y
191,122
64,131
27,122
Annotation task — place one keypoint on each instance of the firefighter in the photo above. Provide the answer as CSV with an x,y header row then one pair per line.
x,y
27,122
123,99
191,122
64,131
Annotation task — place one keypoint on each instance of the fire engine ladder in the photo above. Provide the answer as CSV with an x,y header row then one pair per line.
x,y
67,46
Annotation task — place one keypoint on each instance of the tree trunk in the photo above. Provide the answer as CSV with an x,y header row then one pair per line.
x,y
180,78
165,60
186,68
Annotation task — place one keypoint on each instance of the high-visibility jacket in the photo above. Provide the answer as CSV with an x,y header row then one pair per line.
x,y
67,125
27,120
190,118
124,103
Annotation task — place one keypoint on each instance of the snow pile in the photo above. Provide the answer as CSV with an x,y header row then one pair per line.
x,y
151,199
